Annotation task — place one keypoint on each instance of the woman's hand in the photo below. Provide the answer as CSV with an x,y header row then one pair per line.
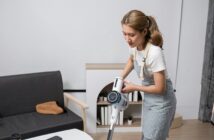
x,y
128,87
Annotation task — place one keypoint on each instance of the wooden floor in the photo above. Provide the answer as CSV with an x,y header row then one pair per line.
x,y
190,130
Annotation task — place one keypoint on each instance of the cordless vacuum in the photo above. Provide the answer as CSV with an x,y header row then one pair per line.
x,y
119,103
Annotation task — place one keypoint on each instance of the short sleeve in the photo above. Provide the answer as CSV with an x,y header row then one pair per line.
x,y
131,51
157,61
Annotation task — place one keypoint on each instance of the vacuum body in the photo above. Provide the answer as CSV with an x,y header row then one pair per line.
x,y
118,101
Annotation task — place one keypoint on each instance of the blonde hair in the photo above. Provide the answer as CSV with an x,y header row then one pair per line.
x,y
139,21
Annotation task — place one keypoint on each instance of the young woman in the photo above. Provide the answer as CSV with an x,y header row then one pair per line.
x,y
146,58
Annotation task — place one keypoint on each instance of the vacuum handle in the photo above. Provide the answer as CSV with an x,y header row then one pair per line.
x,y
118,84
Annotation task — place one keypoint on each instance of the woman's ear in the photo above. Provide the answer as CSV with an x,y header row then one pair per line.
x,y
144,32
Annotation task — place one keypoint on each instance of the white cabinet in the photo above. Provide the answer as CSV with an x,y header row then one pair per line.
x,y
99,76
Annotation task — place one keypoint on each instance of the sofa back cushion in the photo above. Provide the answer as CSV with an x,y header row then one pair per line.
x,y
21,93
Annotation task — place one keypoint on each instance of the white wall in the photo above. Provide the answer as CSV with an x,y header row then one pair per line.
x,y
192,43
40,35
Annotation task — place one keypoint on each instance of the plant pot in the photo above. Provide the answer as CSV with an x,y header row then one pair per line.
x,y
129,122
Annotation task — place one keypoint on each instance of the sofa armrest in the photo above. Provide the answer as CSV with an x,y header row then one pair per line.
x,y
83,106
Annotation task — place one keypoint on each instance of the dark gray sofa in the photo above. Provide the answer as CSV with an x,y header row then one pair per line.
x,y
19,94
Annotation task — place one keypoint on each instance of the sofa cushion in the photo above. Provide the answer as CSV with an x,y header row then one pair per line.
x,y
21,93
36,124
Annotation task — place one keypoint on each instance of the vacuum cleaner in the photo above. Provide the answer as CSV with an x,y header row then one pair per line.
x,y
118,101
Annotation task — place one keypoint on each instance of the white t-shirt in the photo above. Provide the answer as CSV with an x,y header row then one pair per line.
x,y
155,60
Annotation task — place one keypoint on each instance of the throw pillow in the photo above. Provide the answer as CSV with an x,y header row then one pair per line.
x,y
50,107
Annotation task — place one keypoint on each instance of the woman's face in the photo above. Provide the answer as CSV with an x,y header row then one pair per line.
x,y
133,37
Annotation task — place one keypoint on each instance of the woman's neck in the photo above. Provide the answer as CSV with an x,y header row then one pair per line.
x,y
142,46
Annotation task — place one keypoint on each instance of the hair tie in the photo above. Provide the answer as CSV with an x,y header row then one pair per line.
x,y
148,21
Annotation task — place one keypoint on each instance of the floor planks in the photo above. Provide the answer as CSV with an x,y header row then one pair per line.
x,y
190,130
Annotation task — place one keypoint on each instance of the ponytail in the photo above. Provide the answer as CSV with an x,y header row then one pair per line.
x,y
155,35
156,39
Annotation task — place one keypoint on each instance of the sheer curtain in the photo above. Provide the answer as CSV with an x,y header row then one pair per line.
x,y
207,89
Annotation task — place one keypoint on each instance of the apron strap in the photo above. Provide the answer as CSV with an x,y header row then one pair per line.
x,y
145,54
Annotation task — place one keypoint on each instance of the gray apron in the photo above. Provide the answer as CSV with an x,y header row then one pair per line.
x,y
158,110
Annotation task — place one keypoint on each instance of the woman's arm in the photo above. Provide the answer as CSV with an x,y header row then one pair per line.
x,y
158,87
128,68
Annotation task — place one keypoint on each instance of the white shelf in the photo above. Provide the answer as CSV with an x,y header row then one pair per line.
x,y
130,103
136,122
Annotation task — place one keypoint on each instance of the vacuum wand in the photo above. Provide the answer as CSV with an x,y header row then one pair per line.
x,y
119,103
